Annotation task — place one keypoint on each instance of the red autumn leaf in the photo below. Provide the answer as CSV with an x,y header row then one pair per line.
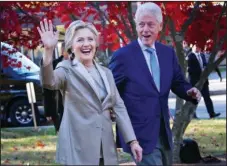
x,y
7,161
15,148
40,144
65,18
28,67
19,64
13,60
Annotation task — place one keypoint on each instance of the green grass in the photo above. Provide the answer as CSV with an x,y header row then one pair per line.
x,y
210,135
28,147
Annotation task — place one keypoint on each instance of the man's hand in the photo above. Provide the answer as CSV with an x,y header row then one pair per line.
x,y
137,151
220,53
194,93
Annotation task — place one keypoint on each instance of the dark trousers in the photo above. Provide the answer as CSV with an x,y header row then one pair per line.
x,y
56,122
60,110
162,154
53,106
218,72
101,162
206,96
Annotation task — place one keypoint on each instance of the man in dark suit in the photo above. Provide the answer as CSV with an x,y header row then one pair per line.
x,y
187,48
53,104
145,71
196,64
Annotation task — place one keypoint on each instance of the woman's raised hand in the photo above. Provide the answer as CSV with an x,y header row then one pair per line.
x,y
47,34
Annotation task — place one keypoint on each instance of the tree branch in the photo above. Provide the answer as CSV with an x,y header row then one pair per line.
x,y
131,20
213,65
103,14
36,19
190,19
127,30
162,35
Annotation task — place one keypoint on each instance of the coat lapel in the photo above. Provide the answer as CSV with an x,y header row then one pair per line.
x,y
140,59
83,73
104,78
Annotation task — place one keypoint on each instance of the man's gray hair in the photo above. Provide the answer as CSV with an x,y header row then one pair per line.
x,y
149,8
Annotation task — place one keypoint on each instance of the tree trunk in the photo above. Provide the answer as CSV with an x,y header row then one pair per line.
x,y
182,118
179,104
178,125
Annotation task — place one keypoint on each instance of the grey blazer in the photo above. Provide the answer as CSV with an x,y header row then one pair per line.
x,y
86,122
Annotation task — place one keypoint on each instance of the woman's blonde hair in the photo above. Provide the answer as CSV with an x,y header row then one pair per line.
x,y
73,28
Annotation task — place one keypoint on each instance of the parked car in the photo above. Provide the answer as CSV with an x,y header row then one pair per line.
x,y
14,105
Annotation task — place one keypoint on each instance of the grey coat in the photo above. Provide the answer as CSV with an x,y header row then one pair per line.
x,y
86,122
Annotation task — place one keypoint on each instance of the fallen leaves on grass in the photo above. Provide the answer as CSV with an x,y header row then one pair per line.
x,y
203,134
40,144
7,161
15,148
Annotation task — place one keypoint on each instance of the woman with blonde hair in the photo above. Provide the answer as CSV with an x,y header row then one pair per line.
x,y
89,93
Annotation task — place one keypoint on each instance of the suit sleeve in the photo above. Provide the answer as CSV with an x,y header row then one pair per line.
x,y
179,84
52,79
116,65
123,121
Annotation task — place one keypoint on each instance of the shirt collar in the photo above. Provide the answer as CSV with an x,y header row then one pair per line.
x,y
143,47
197,54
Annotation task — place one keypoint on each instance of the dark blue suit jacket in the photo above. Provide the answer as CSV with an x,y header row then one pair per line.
x,y
144,103
194,69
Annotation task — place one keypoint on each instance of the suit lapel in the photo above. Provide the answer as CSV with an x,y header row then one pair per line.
x,y
140,59
160,54
198,63
83,73
104,78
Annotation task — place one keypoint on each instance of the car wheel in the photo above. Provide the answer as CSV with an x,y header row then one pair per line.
x,y
21,113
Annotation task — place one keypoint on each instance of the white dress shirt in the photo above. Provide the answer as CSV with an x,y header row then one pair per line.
x,y
147,55
199,58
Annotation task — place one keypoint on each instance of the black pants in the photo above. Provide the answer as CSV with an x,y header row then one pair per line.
x,y
218,72
53,106
101,162
206,96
